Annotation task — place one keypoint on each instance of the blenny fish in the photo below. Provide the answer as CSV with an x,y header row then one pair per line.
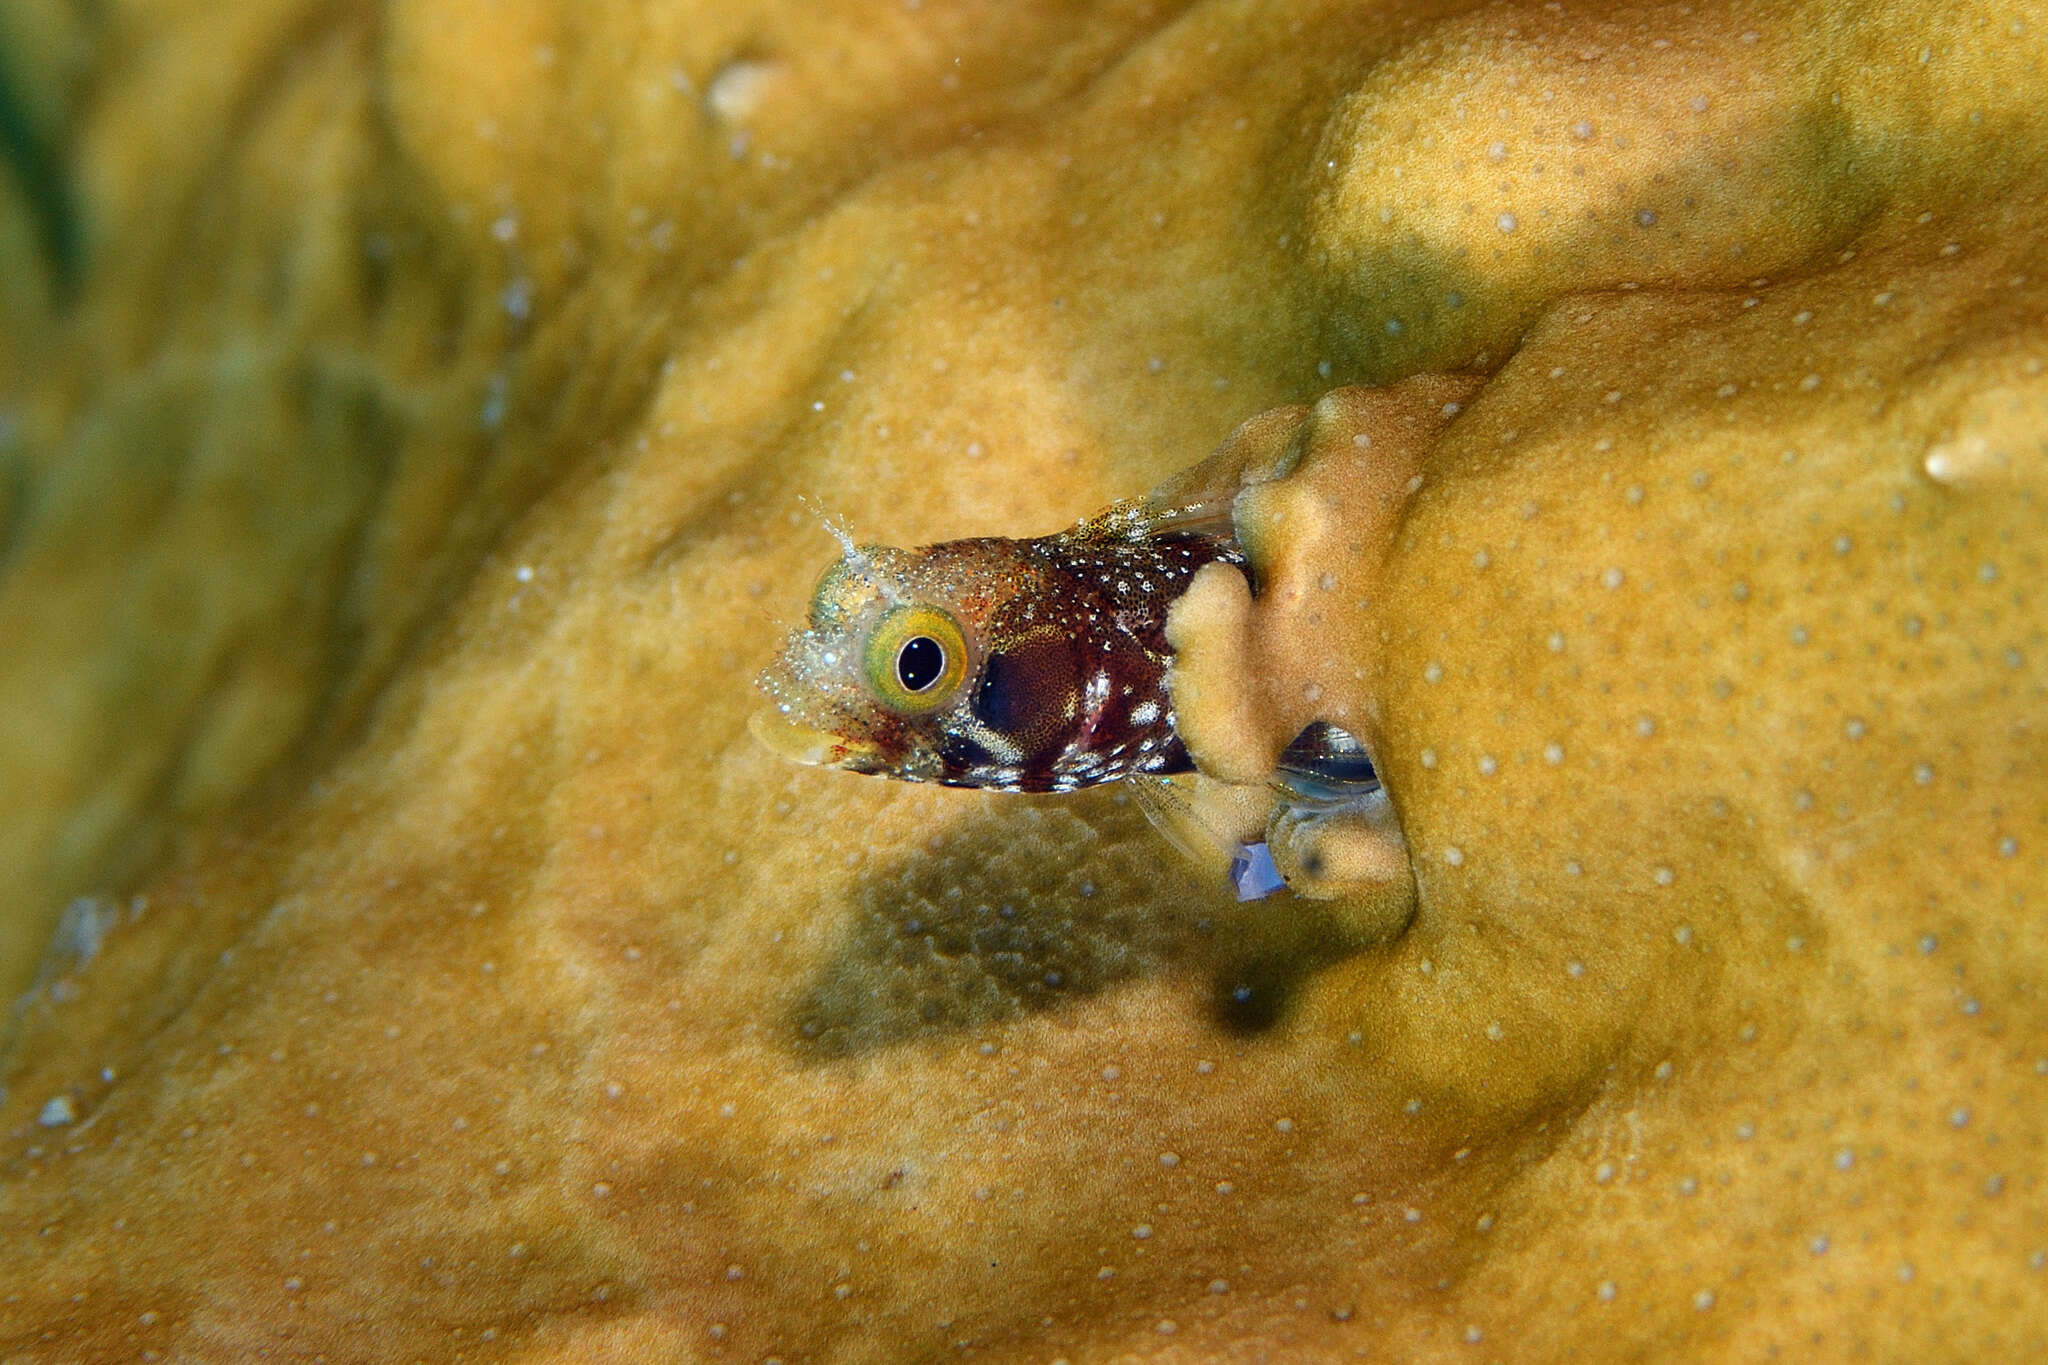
x,y
1043,665
1011,665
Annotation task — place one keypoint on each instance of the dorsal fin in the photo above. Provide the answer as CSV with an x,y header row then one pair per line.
x,y
1136,519
1198,500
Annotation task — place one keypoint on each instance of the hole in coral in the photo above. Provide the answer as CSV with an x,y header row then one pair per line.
x,y
1250,997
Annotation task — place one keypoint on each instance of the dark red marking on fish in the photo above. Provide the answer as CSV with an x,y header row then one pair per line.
x,y
1073,689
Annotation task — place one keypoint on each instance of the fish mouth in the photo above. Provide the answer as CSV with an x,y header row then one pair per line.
x,y
805,744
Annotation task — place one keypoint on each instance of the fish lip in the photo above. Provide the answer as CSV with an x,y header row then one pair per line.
x,y
805,744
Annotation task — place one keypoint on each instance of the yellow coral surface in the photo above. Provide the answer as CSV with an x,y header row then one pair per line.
x,y
404,409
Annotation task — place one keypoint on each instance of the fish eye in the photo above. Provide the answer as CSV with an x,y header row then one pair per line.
x,y
916,659
920,662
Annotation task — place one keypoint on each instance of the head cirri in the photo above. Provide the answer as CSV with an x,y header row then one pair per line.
x,y
1013,665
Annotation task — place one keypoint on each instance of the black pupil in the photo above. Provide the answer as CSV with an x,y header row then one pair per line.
x,y
920,662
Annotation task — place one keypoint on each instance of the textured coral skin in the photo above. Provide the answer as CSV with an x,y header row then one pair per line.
x,y
401,492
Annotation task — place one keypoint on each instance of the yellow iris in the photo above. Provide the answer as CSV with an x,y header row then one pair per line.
x,y
916,658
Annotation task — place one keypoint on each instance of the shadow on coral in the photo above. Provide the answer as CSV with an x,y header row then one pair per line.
x,y
991,923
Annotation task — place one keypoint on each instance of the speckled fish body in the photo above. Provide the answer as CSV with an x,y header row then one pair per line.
x,y
1012,665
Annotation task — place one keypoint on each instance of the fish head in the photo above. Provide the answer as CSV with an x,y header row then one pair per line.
x,y
884,666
